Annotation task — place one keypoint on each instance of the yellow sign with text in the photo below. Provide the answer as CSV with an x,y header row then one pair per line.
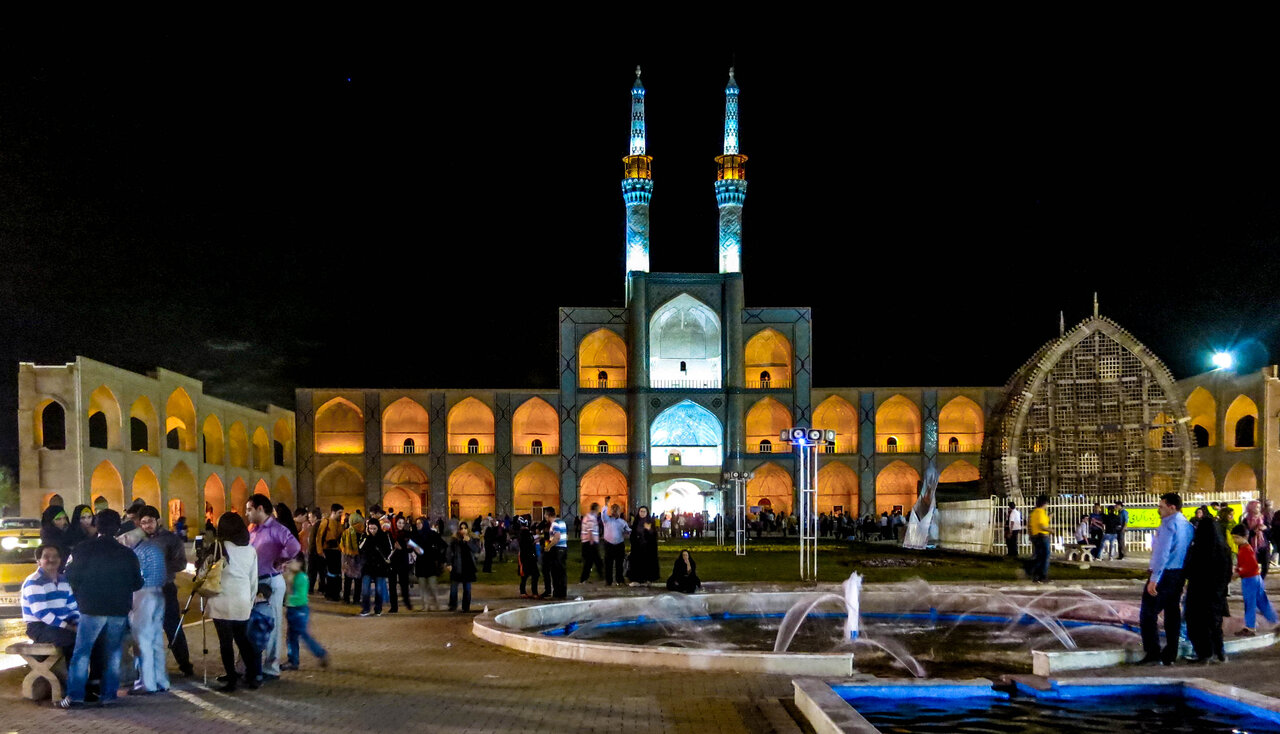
x,y
1149,517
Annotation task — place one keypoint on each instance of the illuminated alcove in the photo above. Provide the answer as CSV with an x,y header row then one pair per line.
x,y
180,421
1241,478
959,471
771,486
765,421
142,427
410,479
535,428
686,434
261,449
282,491
897,426
180,489
239,495
602,360
602,427
215,498
1241,424
282,442
238,445
104,419
1204,480
406,428
401,499
105,484
145,486
683,495
339,428
261,487
536,486
837,414
214,451
768,360
341,483
960,426
470,427
1203,410
50,425
684,344
600,481
471,492
897,485
838,489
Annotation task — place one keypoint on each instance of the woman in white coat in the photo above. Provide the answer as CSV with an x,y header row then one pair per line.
x,y
230,609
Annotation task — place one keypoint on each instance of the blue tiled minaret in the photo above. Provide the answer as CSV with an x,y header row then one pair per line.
x,y
731,184
637,185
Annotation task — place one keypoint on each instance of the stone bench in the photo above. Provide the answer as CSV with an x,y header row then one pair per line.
x,y
46,663
1084,550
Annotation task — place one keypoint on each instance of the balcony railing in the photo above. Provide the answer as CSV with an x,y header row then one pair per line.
x,y
471,449
839,447
708,384
962,448
777,383
401,449
613,448
597,384
884,447
535,450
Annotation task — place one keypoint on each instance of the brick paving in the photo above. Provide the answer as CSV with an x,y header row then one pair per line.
x,y
426,672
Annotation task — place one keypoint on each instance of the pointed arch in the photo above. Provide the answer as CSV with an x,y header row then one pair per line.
x,y
600,481
535,420
238,445
959,471
773,483
765,421
768,359
239,495
960,419
214,448
181,498
838,487
402,499
1204,480
282,491
50,425
898,426
1203,410
145,486
261,449
105,484
406,428
535,486
684,344
261,487
1241,424
470,427
104,419
689,431
339,428
143,422
471,491
602,427
180,421
1241,478
282,446
897,485
602,352
340,483
837,414
215,498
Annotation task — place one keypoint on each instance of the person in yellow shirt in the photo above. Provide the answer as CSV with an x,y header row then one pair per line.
x,y
1038,529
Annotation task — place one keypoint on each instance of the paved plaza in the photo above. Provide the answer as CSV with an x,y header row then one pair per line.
x,y
426,672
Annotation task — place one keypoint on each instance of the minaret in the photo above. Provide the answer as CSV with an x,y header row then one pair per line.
x,y
637,185
731,184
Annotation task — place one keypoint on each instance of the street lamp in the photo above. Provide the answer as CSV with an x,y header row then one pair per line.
x,y
807,441
739,479
1223,360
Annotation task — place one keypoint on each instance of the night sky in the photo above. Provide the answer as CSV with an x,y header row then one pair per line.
x,y
318,214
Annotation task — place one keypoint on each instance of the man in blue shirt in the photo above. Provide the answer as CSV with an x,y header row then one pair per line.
x,y
557,553
1124,524
1163,591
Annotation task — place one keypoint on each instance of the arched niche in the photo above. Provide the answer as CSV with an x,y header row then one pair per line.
x,y
214,449
282,442
282,491
684,344
105,484
838,489
180,421
104,419
771,483
470,427
1204,480
471,492
238,445
602,427
602,360
406,428
143,423
837,414
959,471
601,481
261,487
215,499
535,486
261,449
1203,411
960,425
686,434
181,496
765,421
1241,478
409,477
898,426
401,499
897,486
1241,424
239,495
768,360
340,483
535,428
145,486
339,428
51,425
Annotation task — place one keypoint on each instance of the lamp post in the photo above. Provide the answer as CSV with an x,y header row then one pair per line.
x,y
739,481
807,441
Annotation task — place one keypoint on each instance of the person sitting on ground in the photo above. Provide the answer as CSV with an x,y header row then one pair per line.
x,y
684,575
1251,586
48,604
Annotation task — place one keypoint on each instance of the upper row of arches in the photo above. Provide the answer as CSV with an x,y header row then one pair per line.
x,y
684,351
1240,421
105,424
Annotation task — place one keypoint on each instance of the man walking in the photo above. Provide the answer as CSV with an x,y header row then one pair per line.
x,y
103,576
1124,524
175,560
615,530
1012,529
1039,568
276,546
557,552
590,535
1163,591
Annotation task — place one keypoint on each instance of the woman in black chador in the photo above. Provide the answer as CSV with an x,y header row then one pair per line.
x,y
527,560
1208,570
684,577
643,568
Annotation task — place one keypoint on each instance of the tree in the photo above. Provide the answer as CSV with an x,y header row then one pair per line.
x,y
9,494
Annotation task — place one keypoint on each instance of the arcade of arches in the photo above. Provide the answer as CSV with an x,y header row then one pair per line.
x,y
602,427
535,428
470,428
535,486
897,426
471,491
405,428
602,360
765,421
339,428
897,486
602,480
768,360
837,414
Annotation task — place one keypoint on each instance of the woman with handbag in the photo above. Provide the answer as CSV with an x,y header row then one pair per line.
x,y
403,553
230,583
461,567
351,560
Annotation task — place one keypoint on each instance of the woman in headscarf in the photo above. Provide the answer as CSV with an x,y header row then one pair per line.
x,y
81,527
53,529
684,576
644,549
1208,570
230,609
1258,526
285,516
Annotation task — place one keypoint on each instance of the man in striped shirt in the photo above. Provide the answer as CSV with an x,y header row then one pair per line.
x,y
48,605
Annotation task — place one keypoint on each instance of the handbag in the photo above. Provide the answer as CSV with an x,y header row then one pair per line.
x,y
209,584
352,566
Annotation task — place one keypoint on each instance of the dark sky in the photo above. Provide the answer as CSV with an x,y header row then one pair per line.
x,y
264,215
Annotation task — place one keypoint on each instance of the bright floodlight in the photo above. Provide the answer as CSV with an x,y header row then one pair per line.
x,y
1223,360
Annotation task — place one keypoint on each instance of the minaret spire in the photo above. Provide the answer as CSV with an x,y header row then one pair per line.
x,y
637,186
731,184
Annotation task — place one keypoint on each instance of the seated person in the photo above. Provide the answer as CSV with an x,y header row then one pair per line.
x,y
684,577
48,605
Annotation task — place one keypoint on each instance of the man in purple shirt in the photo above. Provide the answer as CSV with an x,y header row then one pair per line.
x,y
276,546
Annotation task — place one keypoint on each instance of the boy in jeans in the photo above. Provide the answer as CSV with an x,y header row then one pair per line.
x,y
298,614
1255,594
